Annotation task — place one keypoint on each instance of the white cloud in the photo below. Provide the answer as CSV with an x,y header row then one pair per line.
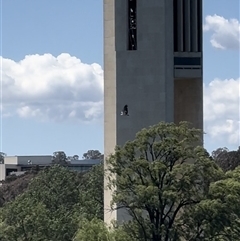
x,y
52,88
60,88
225,32
221,111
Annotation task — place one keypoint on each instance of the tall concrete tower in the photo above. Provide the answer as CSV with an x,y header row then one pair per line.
x,y
153,64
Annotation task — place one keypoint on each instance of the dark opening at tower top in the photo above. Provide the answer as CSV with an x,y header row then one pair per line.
x,y
132,24
187,25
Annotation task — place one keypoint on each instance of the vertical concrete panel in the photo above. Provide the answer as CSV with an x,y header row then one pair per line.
x,y
200,23
187,21
121,25
2,172
169,61
109,95
142,74
143,78
194,26
180,25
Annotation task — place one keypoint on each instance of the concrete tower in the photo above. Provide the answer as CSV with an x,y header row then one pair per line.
x,y
152,63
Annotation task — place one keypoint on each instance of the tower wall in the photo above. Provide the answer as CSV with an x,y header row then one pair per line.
x,y
144,77
146,66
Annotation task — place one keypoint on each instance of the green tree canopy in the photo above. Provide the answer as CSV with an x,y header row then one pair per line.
x,y
217,217
160,174
97,230
2,155
15,186
93,230
47,210
227,160
91,194
93,154
60,158
52,205
26,219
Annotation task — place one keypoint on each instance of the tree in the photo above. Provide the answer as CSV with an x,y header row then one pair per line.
x,y
160,174
52,205
91,194
60,158
48,209
217,217
2,156
93,154
92,230
26,220
75,157
10,189
96,230
227,160
216,153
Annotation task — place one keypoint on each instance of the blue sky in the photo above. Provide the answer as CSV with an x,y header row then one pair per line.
x,y
43,42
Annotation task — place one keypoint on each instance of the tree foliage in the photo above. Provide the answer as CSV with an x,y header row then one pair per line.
x,y
91,194
160,174
60,158
227,160
92,230
48,210
170,187
93,154
2,155
97,230
217,217
51,205
26,219
11,188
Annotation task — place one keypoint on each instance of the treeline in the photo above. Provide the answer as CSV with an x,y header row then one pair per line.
x,y
52,204
172,189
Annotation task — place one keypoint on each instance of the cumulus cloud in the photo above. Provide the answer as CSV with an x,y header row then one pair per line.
x,y
225,32
60,88
52,88
221,110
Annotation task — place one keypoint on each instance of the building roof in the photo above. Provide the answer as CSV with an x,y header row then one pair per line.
x,y
85,162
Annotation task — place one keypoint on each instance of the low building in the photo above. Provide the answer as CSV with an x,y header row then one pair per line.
x,y
83,165
17,165
21,164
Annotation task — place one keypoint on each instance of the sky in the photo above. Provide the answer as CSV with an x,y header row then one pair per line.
x,y
51,63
